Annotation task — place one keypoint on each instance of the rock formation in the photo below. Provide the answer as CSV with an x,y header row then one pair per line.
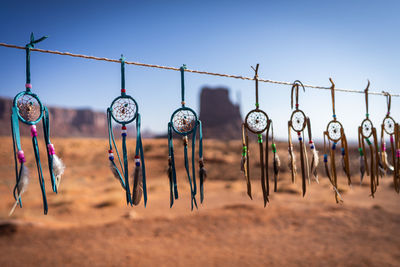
x,y
220,117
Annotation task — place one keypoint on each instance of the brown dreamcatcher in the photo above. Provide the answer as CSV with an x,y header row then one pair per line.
x,y
334,134
299,122
390,127
366,131
257,122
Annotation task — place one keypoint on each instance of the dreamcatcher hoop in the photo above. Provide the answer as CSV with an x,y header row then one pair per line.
x,y
183,120
30,108
366,128
124,109
334,130
298,120
256,121
389,125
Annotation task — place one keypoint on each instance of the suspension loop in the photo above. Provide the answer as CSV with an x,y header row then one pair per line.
x,y
28,47
123,89
333,98
366,99
182,69
295,86
256,79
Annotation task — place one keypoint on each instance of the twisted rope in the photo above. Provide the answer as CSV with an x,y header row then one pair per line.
x,y
192,71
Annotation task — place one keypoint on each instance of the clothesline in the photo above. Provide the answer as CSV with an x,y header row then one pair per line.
x,y
190,70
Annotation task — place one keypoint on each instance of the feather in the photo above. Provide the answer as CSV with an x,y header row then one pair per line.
x,y
385,161
137,190
277,165
338,194
22,187
58,169
116,173
362,168
314,164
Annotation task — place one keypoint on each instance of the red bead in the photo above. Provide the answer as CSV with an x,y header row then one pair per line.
x,y
110,151
123,127
123,90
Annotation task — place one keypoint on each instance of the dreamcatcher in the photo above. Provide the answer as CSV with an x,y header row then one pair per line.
x,y
257,122
125,110
335,133
389,126
365,132
298,122
28,109
184,122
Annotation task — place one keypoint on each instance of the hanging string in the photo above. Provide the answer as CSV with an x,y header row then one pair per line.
x,y
189,70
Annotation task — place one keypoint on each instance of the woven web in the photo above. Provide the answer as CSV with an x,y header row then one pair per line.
x,y
366,128
257,121
334,130
389,125
184,121
28,108
124,109
298,121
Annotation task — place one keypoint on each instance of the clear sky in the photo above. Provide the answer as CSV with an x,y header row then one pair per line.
x,y
350,41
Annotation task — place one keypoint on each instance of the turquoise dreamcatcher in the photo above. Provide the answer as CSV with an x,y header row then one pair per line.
x,y
184,122
28,109
124,110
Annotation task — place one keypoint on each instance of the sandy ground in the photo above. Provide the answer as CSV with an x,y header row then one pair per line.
x,y
89,223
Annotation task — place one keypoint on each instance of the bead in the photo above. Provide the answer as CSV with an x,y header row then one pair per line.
x,y
257,105
33,131
312,147
398,153
123,90
325,157
28,85
111,158
384,147
334,146
51,149
110,151
391,139
334,116
260,140
343,151
368,142
137,160
21,156
300,138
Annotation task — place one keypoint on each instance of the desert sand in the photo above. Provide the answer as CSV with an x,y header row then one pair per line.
x,y
89,223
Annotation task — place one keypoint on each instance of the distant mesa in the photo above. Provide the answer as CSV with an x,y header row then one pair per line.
x,y
220,117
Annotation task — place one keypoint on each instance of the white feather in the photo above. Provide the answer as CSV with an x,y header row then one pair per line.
x,y
22,187
314,164
58,169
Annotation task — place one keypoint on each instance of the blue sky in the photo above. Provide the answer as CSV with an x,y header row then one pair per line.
x,y
350,41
